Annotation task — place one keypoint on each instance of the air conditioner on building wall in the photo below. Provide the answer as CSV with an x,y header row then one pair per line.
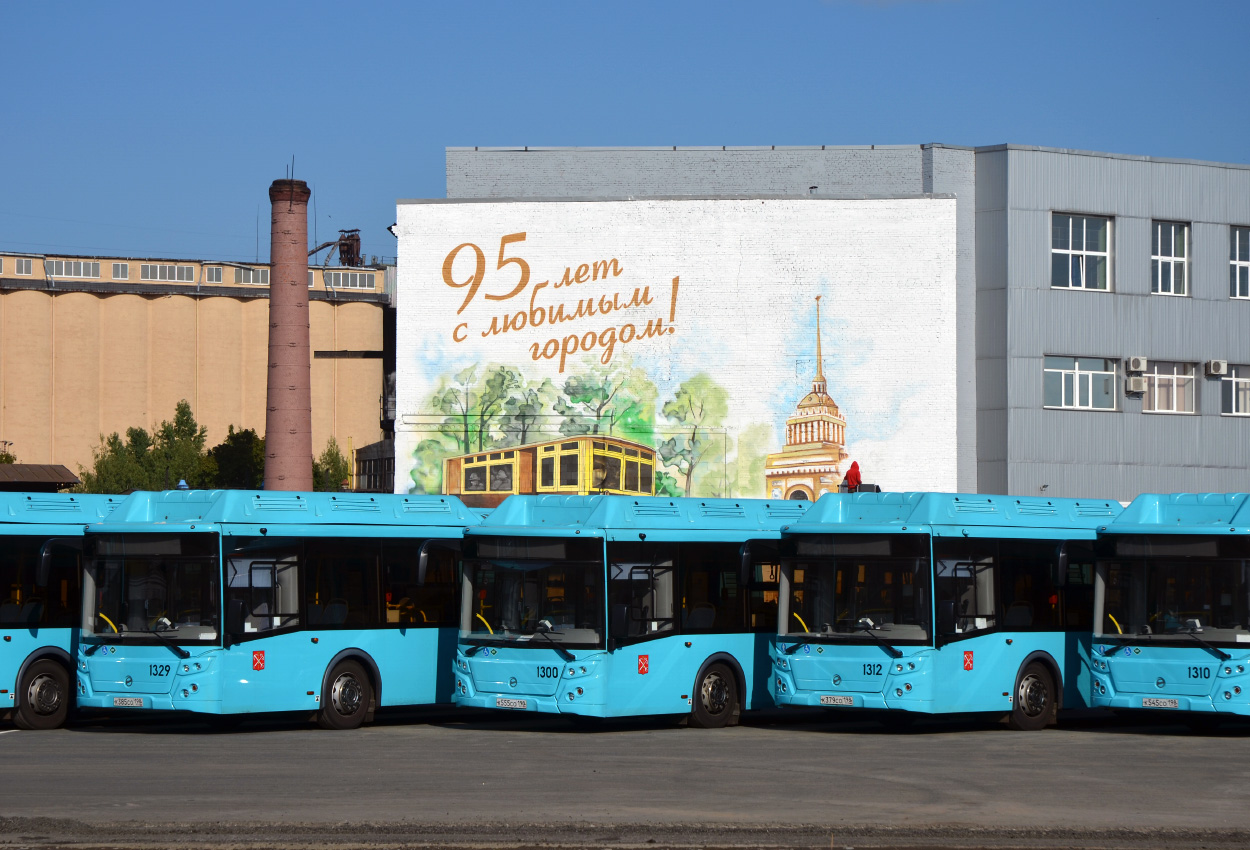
x,y
1217,368
1137,364
1135,385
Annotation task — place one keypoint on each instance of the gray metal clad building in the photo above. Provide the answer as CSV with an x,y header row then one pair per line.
x,y
1102,335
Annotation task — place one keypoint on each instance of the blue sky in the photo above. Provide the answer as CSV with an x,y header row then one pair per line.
x,y
155,128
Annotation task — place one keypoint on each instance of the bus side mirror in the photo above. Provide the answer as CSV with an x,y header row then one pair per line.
x,y
1062,578
236,612
423,557
43,570
946,617
744,564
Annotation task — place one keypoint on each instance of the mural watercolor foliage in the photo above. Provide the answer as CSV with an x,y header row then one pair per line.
x,y
686,328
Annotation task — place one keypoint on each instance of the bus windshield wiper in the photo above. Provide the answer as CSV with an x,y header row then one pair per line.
x,y
867,626
1224,656
546,631
173,647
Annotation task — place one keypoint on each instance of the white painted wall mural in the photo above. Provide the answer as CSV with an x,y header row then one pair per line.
x,y
671,347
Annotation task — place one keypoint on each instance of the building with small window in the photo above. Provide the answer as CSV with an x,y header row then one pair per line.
x,y
95,345
1102,300
582,465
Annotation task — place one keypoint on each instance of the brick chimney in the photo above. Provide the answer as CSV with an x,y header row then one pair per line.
x,y
288,405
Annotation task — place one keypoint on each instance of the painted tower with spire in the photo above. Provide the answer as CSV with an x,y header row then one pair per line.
x,y
809,463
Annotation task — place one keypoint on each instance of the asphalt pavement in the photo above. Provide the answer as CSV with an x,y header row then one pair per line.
x,y
519,780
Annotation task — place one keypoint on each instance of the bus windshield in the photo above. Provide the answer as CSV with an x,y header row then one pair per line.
x,y
1177,586
152,585
846,585
535,591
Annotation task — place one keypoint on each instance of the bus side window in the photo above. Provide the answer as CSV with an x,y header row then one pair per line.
x,y
965,575
264,573
1029,586
341,582
712,598
641,589
409,603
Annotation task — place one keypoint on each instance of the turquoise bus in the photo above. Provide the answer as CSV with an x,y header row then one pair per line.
x,y
1172,607
930,603
40,545
614,606
237,602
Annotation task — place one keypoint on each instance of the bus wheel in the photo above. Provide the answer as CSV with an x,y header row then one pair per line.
x,y
1034,706
42,696
715,698
346,699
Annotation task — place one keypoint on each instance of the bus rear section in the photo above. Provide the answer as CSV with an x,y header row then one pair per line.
x,y
933,603
1172,609
611,606
40,546
239,603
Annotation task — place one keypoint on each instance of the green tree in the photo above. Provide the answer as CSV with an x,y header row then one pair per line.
x,y
332,468
239,460
7,456
174,451
699,406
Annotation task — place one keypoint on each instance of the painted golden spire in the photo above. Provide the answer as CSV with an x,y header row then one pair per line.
x,y
818,385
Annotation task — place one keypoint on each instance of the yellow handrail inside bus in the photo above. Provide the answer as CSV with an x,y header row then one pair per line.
x,y
800,619
1117,625
110,622
488,628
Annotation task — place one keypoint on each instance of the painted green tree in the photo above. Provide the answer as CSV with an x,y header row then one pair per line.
x,y
525,411
616,399
696,417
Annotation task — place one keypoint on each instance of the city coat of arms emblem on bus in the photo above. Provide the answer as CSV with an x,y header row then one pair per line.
x,y
643,661
258,659
968,660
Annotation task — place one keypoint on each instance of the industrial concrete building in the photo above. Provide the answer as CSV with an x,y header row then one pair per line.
x,y
1103,332
93,345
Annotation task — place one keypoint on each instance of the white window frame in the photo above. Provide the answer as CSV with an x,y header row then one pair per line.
x,y
212,274
348,280
167,272
84,269
1177,380
1239,262
24,265
1074,381
1164,264
121,271
1235,384
1,265
1078,257
255,276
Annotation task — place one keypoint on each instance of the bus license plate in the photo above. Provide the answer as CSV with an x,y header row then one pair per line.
x,y
831,700
505,702
128,702
1152,702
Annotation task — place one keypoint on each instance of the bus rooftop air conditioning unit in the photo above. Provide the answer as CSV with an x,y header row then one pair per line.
x,y
1137,364
1217,368
1135,385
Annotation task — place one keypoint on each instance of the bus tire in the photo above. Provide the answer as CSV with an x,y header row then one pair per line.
x,y
43,696
715,698
347,697
1035,704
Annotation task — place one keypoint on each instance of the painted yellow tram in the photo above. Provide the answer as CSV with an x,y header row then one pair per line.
x,y
581,465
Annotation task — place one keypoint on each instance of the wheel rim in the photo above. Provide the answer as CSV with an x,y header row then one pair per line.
x,y
44,694
1033,696
346,695
714,694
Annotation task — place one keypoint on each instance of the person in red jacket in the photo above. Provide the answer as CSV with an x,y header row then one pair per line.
x,y
852,480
